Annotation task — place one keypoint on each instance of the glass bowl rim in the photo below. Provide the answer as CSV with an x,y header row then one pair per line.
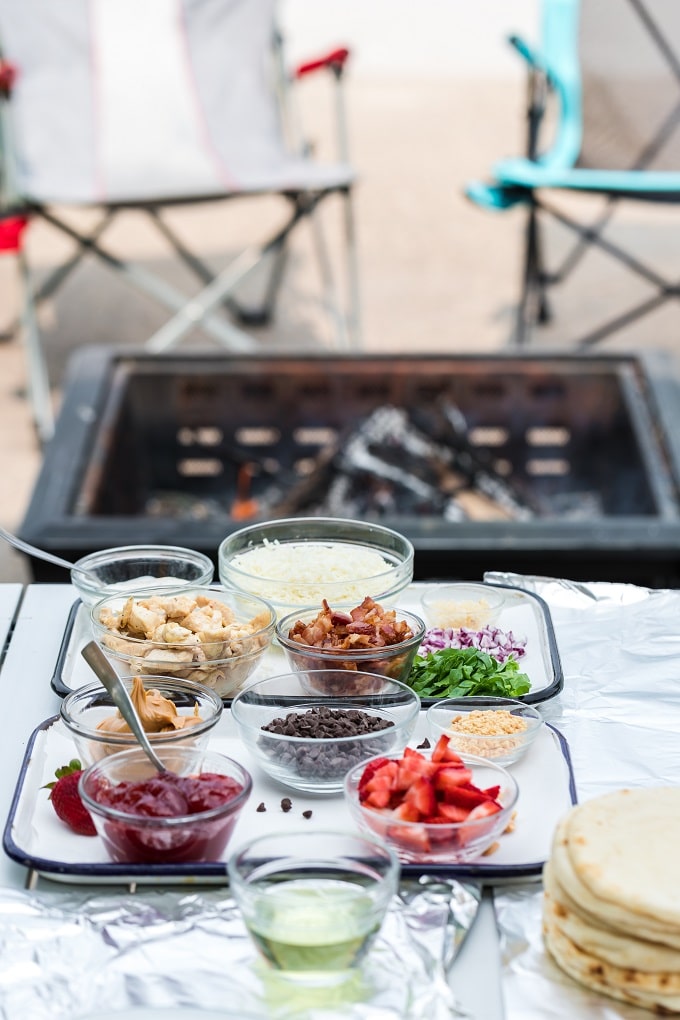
x,y
101,631
225,562
471,759
315,700
360,654
99,736
148,821
487,703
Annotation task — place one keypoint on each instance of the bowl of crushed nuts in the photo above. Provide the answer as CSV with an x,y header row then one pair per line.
x,y
309,741
366,639
498,729
210,635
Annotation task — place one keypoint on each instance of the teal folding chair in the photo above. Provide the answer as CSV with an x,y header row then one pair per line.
x,y
605,85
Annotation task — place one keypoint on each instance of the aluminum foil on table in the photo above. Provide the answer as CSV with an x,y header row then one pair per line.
x,y
74,953
620,712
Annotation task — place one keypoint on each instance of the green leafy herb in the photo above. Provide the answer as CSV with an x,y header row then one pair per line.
x,y
459,672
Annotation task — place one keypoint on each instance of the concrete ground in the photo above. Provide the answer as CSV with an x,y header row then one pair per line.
x,y
437,273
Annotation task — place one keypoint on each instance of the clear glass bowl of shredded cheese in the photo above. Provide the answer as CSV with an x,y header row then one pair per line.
x,y
296,563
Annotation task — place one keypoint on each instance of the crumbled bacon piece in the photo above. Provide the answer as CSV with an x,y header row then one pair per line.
x,y
366,626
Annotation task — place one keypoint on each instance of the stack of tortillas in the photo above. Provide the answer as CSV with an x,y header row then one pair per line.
x,y
611,915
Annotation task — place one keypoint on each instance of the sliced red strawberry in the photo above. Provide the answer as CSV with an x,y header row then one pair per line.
x,y
481,811
421,766
492,792
450,777
407,813
406,777
465,797
377,798
452,812
371,769
380,781
411,838
410,752
422,796
442,751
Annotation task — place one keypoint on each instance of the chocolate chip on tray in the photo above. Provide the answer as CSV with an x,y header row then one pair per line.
x,y
307,814
286,804
425,744
261,807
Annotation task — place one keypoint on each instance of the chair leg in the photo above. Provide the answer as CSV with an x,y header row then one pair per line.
x,y
354,298
331,297
533,306
38,380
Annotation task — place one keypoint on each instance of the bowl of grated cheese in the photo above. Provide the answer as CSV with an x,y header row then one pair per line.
x,y
296,563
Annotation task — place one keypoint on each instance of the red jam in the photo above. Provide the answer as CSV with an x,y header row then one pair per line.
x,y
169,797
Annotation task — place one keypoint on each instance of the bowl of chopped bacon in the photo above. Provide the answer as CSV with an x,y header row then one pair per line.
x,y
365,640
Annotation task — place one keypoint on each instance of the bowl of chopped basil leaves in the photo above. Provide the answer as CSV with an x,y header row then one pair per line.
x,y
464,672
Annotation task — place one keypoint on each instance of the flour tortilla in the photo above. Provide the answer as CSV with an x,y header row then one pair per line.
x,y
621,950
624,849
604,912
625,985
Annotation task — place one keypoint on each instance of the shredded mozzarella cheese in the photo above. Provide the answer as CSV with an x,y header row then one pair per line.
x,y
311,571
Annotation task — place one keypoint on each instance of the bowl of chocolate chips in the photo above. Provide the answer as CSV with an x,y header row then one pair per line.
x,y
309,741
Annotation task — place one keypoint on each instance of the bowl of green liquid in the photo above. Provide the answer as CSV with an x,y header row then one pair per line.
x,y
313,903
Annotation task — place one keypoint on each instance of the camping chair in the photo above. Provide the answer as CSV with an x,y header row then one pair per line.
x,y
145,104
613,67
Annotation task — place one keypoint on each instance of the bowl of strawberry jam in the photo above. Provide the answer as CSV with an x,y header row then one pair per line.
x,y
185,815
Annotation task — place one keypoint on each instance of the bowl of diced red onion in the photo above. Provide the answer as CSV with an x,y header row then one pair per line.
x,y
467,615
367,639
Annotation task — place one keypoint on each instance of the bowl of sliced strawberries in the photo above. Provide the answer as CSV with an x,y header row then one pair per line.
x,y
433,807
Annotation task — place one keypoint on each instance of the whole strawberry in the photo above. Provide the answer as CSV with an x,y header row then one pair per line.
x,y
66,799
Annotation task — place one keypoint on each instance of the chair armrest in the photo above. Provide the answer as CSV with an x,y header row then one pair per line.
x,y
334,61
529,55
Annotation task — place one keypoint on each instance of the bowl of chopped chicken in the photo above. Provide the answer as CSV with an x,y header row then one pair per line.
x,y
213,636
173,712
498,729
367,639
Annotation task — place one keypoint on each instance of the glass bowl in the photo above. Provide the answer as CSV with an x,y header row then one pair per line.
x,y
86,708
392,661
193,830
218,657
134,567
313,902
303,754
463,604
437,843
297,562
481,733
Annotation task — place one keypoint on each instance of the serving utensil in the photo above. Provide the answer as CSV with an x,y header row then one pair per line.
x,y
105,672
40,554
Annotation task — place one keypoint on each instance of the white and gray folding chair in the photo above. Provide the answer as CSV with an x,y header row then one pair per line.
x,y
143,104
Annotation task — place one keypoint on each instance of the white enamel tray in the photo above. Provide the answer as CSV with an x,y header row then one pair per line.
x,y
524,613
36,838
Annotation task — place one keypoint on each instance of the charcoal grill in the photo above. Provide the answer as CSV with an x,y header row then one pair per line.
x,y
185,447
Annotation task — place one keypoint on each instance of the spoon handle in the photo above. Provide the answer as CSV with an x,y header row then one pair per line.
x,y
98,662
40,554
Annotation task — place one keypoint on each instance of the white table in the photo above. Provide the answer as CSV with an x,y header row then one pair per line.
x,y
604,634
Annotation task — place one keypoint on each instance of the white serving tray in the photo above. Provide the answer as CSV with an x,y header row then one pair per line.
x,y
36,838
524,613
